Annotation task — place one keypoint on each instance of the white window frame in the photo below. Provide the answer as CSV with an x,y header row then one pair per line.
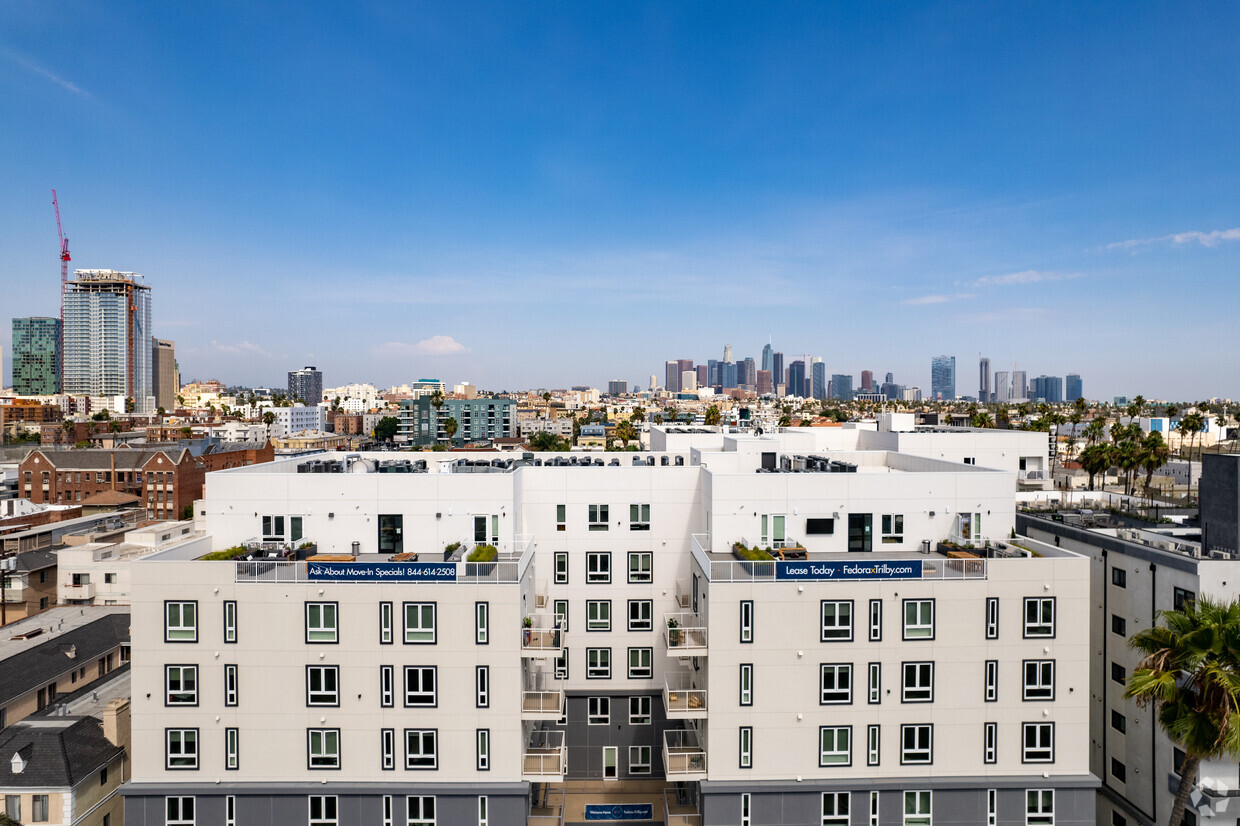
x,y
892,529
181,621
992,807
1039,617
322,622
421,759
328,810
417,695
991,671
835,806
387,749
921,751
561,568
320,753
640,711
835,683
921,810
1039,807
746,684
387,622
482,686
1039,679
992,618
232,693
416,630
482,623
834,756
1043,750
325,694
232,749
599,517
840,628
598,711
185,678
482,749
990,742
917,682
561,664
598,663
746,615
639,517
389,810
873,744
640,760
421,813
230,810
645,611
642,670
873,808
560,609
598,615
484,818
918,619
745,751
643,571
598,567
230,619
875,683
746,801
387,686
181,749
179,810
876,620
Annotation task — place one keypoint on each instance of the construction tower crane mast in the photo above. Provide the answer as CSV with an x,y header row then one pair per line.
x,y
64,279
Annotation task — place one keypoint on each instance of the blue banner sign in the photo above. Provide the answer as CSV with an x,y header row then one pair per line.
x,y
849,569
619,811
381,571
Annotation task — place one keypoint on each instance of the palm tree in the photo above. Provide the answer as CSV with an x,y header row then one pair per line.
x,y
1190,673
712,415
1154,454
982,418
1096,459
625,432
449,427
1192,424
437,400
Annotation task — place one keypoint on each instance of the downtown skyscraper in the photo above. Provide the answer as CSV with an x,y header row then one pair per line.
x,y
943,377
36,356
107,337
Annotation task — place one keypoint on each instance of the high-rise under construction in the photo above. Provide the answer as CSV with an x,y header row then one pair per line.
x,y
107,349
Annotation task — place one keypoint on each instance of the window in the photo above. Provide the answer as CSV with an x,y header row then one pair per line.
x,y
561,568
1038,742
917,809
419,623
598,711
483,817
876,683
835,809
230,619
482,686
836,683
746,747
876,620
482,749
322,685
598,663
1118,819
918,683
1039,617
420,748
917,743
992,618
746,621
387,687
561,614
992,681
639,517
324,810
873,808
598,518
232,749
1119,625
182,748
639,759
323,747
13,806
181,685
641,615
640,566
1177,761
385,623
420,686
1119,577
893,528
835,745
598,567
273,528
179,810
231,693
837,621
1118,673
745,801
387,749
1119,771
1119,722
641,663
990,742
421,810
561,665
1040,807
1180,596
746,684
230,811
1039,680
598,615
561,517
639,711
918,619
180,622
992,807
873,740
321,622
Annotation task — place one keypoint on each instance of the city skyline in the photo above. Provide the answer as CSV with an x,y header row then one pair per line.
x,y
541,197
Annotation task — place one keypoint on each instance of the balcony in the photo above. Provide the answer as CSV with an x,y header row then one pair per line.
x,y
546,757
684,634
542,696
540,594
85,591
682,698
683,597
684,755
542,637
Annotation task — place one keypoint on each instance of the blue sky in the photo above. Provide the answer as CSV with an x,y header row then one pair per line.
x,y
545,194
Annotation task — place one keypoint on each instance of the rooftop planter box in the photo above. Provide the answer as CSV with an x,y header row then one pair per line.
x,y
482,553
747,554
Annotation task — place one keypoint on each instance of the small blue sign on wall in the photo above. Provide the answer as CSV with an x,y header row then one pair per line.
x,y
849,569
619,811
381,571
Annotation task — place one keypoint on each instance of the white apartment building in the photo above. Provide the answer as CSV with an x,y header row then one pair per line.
x,y
614,638
295,419
98,573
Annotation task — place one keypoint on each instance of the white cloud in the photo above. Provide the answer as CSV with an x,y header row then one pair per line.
x,y
39,70
1023,277
1206,239
923,300
240,348
433,346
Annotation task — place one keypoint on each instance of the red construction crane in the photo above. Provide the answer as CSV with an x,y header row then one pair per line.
x,y
64,279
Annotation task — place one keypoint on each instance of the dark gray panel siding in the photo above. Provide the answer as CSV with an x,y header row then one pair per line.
x,y
293,810
585,742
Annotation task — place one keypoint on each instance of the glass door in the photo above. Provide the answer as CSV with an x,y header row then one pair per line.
x,y
391,529
860,532
609,762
